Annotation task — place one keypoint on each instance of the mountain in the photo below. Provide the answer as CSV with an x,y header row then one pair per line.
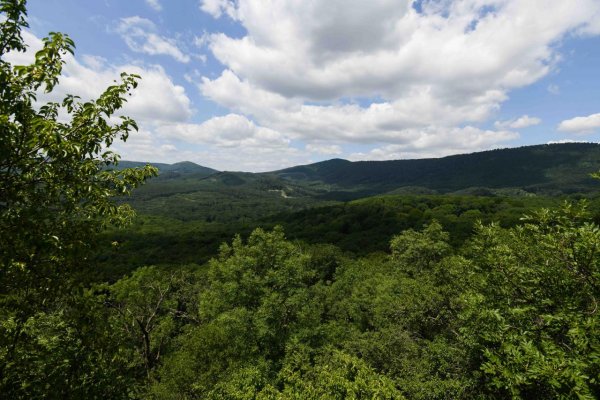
x,y
171,170
187,191
541,169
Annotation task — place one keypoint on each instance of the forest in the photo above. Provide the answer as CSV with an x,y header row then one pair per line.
x,y
203,284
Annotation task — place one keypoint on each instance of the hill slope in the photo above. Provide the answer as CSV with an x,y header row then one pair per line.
x,y
546,169
171,170
187,191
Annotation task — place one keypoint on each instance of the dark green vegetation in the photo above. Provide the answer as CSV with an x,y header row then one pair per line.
x,y
359,227
398,296
197,192
544,169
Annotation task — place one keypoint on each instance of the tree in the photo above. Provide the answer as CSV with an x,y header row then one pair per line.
x,y
150,308
57,186
532,322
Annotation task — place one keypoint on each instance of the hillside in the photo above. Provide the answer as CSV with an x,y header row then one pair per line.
x,y
171,170
542,169
187,191
223,197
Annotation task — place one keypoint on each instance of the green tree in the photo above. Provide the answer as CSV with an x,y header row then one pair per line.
x,y
150,307
532,321
57,190
257,296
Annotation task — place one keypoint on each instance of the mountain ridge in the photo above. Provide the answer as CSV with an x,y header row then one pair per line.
x,y
170,170
545,170
537,167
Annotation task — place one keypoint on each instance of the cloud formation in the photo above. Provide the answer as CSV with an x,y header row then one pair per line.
x,y
156,101
157,98
140,36
438,142
581,125
305,80
229,131
397,73
522,122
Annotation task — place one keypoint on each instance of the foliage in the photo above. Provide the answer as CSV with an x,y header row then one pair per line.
x,y
426,297
55,194
149,308
532,320
359,227
511,315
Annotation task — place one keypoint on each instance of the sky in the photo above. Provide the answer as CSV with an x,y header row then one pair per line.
x,y
259,85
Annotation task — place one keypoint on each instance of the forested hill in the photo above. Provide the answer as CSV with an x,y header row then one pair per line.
x,y
548,169
171,170
192,191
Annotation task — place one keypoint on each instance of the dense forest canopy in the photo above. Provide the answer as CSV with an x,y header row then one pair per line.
x,y
389,297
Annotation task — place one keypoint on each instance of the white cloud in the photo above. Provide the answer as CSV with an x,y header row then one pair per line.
x,y
202,40
217,8
438,142
143,146
561,141
140,36
232,131
33,44
301,65
250,159
521,122
94,62
581,125
380,122
156,99
326,50
154,4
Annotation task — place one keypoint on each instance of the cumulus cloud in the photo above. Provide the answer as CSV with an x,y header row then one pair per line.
x,y
223,143
438,142
425,72
143,145
232,130
163,112
140,36
157,99
326,50
518,123
581,125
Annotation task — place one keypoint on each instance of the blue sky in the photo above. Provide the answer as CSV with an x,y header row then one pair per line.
x,y
259,85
